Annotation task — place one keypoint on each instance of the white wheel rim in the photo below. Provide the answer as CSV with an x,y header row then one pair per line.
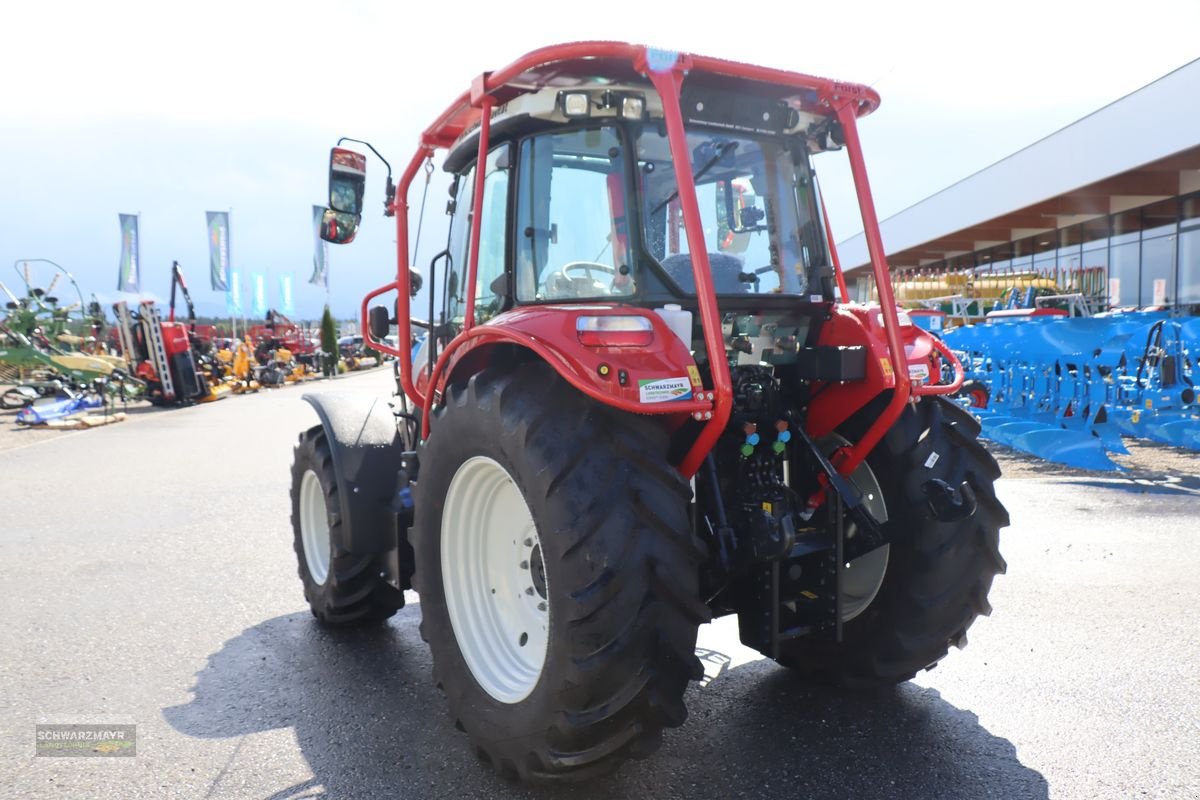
x,y
862,577
494,580
314,527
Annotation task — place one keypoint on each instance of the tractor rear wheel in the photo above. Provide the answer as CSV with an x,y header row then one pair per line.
x,y
938,572
558,574
343,589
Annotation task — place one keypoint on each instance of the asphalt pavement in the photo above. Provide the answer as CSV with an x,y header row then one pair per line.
x,y
148,578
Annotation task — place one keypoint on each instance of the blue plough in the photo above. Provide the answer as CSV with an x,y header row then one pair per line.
x,y
1068,389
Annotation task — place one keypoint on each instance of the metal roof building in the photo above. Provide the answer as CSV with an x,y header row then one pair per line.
x,y
1118,190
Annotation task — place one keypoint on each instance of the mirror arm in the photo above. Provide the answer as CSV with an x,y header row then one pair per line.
x,y
390,188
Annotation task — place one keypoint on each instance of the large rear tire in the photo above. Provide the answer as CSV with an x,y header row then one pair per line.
x,y
558,574
343,589
938,573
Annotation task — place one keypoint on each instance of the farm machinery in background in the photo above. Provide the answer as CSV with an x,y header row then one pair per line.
x,y
646,403
1053,371
1068,389
176,365
945,300
48,366
284,350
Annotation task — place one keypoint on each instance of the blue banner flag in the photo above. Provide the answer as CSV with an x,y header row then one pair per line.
x,y
233,298
320,275
129,277
218,249
258,282
285,295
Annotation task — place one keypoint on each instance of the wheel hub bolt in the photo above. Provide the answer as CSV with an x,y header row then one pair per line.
x,y
542,606
524,565
529,590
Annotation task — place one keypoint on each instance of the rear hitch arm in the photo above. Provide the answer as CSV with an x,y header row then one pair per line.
x,y
868,534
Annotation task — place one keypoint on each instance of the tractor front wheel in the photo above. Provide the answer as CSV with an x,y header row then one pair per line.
x,y
558,574
938,569
342,588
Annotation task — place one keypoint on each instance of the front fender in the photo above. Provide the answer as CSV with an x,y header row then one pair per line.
x,y
367,453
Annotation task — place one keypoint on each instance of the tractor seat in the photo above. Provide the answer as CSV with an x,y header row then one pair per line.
x,y
725,271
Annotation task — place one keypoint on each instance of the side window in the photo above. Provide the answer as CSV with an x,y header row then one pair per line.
x,y
572,236
460,241
493,237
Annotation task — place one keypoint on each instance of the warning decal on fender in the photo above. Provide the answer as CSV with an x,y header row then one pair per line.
x,y
662,390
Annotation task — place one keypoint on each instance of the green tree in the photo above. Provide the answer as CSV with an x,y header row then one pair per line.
x,y
329,347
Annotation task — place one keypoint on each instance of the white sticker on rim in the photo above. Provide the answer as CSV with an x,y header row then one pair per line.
x,y
933,459
663,390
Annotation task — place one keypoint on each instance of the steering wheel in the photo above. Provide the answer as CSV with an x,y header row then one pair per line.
x,y
587,267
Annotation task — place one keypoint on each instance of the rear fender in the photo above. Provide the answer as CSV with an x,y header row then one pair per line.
x,y
641,377
859,325
367,452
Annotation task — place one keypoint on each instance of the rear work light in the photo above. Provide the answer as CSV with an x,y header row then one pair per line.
x,y
576,104
614,331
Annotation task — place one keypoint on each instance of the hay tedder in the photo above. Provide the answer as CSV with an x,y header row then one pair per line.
x,y
47,364
644,403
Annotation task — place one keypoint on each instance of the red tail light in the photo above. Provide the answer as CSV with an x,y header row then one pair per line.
x,y
614,331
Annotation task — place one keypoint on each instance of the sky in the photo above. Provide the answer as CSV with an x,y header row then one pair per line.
x,y
170,110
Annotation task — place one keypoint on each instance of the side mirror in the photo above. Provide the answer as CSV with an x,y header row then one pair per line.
x,y
347,180
379,322
337,227
415,282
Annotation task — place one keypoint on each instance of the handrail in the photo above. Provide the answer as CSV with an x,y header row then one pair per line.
x,y
851,457
943,388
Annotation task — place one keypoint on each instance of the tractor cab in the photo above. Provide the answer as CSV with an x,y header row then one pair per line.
x,y
597,209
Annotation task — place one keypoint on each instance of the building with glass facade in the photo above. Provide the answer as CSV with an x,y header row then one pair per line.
x,y
1110,204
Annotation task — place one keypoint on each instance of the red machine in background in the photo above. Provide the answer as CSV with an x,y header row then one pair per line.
x,y
279,331
165,354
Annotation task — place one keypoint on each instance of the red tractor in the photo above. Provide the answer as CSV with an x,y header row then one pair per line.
x,y
645,404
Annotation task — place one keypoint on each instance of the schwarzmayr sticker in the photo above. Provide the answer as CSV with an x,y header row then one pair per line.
x,y
662,390
102,741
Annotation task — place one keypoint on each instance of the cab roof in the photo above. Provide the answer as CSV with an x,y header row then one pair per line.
x,y
594,64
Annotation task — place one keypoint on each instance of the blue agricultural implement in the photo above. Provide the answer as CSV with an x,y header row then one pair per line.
x,y
1067,389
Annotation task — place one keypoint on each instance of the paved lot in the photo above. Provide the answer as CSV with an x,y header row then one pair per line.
x,y
148,578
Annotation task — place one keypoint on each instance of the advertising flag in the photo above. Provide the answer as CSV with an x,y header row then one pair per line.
x,y
285,295
218,249
129,278
320,275
233,298
259,283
